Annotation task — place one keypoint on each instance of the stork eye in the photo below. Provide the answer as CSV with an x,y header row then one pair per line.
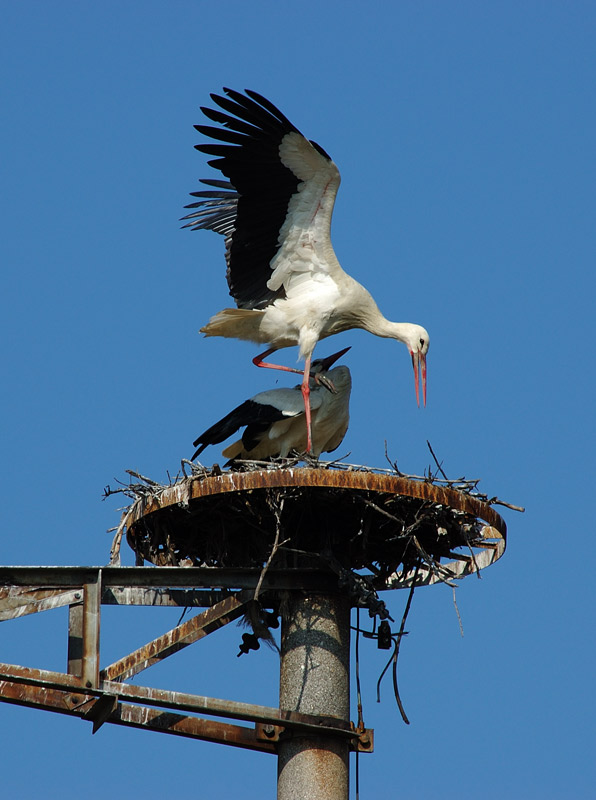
x,y
422,342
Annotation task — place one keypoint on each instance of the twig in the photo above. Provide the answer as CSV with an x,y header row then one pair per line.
x,y
461,627
386,514
338,460
393,464
249,462
115,548
476,567
494,501
435,568
276,545
142,478
299,552
439,466
472,553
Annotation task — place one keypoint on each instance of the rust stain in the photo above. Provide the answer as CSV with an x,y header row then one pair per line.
x,y
181,636
62,701
352,481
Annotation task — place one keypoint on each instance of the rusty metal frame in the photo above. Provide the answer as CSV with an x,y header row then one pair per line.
x,y
100,696
154,579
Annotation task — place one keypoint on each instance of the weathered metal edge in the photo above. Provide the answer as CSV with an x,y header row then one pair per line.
x,y
196,487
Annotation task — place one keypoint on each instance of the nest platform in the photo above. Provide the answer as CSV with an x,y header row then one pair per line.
x,y
387,527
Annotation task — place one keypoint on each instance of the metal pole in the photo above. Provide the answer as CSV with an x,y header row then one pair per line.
x,y
315,679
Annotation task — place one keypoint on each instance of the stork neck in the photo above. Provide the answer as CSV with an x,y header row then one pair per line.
x,y
381,326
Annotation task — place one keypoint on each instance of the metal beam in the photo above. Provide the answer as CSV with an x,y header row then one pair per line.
x,y
18,601
75,640
206,730
101,710
181,598
79,694
91,620
179,637
310,723
100,697
135,716
194,577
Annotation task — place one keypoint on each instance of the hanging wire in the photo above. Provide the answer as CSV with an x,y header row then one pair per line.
x,y
184,613
359,699
397,641
358,693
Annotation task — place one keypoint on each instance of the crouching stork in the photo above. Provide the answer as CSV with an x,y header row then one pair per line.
x,y
274,419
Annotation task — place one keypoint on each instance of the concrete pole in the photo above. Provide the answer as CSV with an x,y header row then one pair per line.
x,y
315,679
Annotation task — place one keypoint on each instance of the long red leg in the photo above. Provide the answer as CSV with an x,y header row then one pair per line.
x,y
305,388
258,362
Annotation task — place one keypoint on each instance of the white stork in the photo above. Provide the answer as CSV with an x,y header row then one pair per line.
x,y
274,420
275,213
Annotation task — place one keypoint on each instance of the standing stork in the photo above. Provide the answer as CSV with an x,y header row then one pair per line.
x,y
275,213
274,419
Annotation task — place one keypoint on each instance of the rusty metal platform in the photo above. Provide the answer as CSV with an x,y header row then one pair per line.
x,y
361,520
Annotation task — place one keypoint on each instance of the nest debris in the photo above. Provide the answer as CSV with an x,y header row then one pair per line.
x,y
387,535
370,539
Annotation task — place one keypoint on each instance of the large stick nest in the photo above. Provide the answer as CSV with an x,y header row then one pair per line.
x,y
388,534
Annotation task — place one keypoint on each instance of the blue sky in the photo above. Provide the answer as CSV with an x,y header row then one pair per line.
x,y
465,136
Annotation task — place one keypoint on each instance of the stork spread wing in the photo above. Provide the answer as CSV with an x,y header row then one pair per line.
x,y
281,188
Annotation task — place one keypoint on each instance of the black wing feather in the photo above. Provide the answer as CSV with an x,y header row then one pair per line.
x,y
216,210
215,115
257,416
261,189
219,184
222,134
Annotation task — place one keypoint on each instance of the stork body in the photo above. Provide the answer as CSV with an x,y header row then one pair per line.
x,y
274,419
275,213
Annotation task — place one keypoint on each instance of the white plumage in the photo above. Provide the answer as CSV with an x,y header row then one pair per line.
x,y
275,213
274,419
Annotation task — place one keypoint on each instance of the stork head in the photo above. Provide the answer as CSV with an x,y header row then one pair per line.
x,y
418,341
321,365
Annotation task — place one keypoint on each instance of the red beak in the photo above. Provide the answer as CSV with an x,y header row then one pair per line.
x,y
419,364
